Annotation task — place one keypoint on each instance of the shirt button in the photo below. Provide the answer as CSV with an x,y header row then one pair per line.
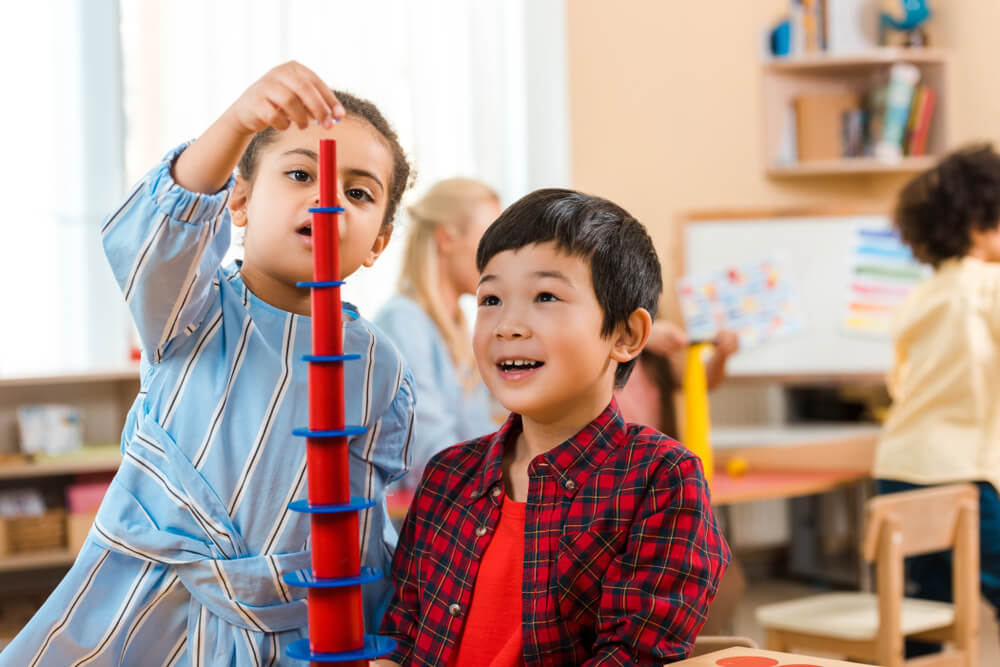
x,y
454,609
570,485
476,494
496,491
481,531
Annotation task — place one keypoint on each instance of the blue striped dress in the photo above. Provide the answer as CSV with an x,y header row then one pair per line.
x,y
182,564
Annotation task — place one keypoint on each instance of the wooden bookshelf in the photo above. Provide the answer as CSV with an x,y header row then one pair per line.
x,y
103,397
37,560
855,165
55,468
874,58
784,79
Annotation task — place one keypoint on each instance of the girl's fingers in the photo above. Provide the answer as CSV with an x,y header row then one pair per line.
x,y
272,116
329,99
287,99
317,106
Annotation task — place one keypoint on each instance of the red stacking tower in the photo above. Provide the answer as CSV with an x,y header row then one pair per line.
x,y
336,619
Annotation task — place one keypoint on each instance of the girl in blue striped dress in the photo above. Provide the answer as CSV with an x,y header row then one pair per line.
x,y
183,564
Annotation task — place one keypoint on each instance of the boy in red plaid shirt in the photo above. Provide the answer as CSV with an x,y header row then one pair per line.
x,y
567,537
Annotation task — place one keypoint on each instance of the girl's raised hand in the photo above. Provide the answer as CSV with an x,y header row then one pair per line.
x,y
666,338
288,94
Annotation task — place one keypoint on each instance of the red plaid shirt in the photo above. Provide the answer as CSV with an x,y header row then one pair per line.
x,y
622,553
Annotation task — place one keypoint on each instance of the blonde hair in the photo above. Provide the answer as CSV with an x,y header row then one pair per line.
x,y
449,203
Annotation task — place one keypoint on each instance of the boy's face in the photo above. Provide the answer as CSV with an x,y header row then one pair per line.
x,y
537,338
275,208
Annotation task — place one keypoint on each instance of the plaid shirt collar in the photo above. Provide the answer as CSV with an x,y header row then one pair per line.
x,y
571,462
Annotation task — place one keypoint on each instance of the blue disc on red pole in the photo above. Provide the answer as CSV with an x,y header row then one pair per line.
x,y
305,579
338,433
375,645
320,283
329,358
327,209
356,505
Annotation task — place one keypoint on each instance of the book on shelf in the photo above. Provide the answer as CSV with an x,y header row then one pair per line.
x,y
911,122
807,25
925,111
850,26
820,122
903,79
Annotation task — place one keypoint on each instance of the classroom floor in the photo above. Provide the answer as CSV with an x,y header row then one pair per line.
x,y
774,590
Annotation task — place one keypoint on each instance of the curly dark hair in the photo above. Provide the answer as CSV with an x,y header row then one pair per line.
x,y
938,210
402,172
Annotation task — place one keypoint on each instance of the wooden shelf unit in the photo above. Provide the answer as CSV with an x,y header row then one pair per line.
x,y
58,468
784,79
103,397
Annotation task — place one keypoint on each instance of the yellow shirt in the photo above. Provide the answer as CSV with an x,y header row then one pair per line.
x,y
944,424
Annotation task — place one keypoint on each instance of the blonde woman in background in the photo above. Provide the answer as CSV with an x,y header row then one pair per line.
x,y
425,321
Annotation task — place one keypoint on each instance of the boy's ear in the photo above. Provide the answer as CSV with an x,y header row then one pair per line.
x,y
238,202
632,336
381,241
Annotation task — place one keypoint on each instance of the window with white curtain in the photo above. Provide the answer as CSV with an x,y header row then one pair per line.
x,y
98,90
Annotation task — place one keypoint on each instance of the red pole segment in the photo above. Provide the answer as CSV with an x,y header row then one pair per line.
x,y
335,611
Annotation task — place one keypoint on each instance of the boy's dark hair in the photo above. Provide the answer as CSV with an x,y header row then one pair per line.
x,y
354,106
624,267
937,211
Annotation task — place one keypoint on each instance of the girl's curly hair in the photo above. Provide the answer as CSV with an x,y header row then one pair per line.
x,y
937,211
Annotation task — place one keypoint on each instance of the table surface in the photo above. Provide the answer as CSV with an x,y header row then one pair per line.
x,y
751,657
768,484
783,462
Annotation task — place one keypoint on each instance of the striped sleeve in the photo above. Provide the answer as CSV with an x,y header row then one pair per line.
x,y
164,245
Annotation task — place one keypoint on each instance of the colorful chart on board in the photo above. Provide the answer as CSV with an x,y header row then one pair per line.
x,y
755,299
881,274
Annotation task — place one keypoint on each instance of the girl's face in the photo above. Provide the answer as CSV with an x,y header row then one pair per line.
x,y
275,208
458,253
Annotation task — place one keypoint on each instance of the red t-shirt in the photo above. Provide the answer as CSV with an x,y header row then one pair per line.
x,y
491,635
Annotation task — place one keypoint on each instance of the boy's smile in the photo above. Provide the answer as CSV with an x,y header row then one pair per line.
x,y
538,338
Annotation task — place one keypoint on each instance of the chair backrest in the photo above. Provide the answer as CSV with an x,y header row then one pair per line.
x,y
928,518
917,522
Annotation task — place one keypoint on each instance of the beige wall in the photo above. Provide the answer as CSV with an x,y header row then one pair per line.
x,y
665,106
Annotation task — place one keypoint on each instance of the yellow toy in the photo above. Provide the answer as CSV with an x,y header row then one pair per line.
x,y
737,466
697,424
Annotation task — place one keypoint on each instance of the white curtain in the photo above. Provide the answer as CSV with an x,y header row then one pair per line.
x,y
98,90
61,170
452,76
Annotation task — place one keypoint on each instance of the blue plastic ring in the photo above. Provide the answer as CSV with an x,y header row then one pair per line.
x,y
327,209
347,430
305,579
320,283
375,646
329,358
357,503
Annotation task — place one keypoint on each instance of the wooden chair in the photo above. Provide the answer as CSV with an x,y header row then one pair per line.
x,y
873,627
707,643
